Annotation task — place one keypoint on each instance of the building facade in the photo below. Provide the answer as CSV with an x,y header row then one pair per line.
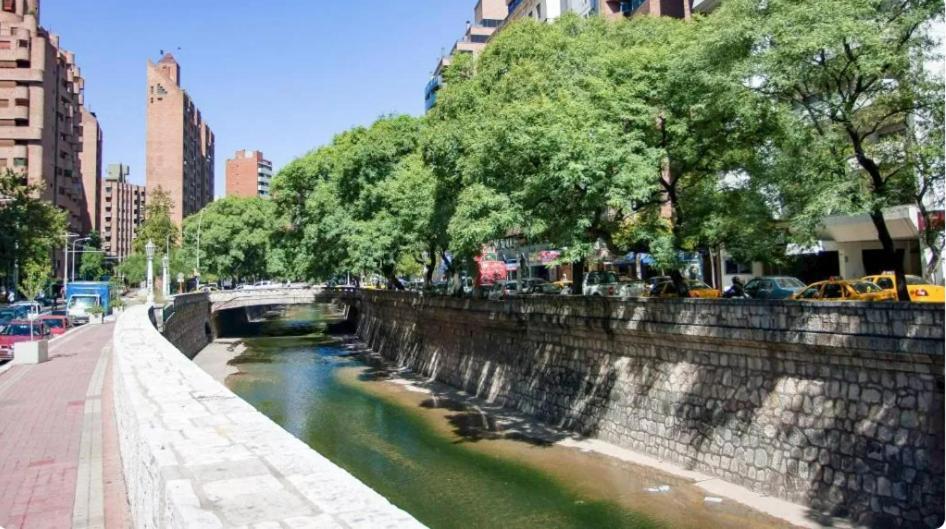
x,y
123,211
488,16
548,10
248,174
179,145
90,163
41,96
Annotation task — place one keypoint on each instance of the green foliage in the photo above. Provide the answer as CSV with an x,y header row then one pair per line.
x,y
735,130
133,269
360,204
852,74
92,260
30,229
235,236
157,226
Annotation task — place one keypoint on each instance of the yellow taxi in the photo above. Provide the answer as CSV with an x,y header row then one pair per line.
x,y
698,289
844,290
920,291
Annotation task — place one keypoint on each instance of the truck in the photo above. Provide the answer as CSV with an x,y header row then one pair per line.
x,y
83,295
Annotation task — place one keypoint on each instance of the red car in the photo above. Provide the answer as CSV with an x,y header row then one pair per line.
x,y
57,324
20,331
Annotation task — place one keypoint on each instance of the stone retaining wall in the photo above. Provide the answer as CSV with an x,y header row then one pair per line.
x,y
195,455
188,326
834,405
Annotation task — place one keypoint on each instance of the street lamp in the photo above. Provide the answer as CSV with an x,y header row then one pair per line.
x,y
166,285
149,251
74,254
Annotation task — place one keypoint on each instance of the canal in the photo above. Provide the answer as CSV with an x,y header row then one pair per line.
x,y
439,458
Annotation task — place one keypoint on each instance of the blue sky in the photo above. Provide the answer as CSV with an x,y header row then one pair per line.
x,y
281,76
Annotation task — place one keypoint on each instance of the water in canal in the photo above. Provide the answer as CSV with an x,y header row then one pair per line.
x,y
415,454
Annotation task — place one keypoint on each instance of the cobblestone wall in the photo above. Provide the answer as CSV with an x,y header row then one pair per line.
x,y
194,455
188,326
833,405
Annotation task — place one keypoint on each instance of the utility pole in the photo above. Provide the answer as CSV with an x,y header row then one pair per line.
x,y
65,264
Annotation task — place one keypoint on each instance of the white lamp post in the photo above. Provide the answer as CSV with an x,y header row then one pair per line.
x,y
166,285
149,251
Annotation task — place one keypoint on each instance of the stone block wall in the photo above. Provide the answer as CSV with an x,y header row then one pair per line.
x,y
194,455
188,326
838,406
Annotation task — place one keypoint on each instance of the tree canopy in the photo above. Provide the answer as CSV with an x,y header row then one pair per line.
x,y
30,230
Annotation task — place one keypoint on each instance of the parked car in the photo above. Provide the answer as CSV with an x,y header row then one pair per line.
x,y
20,331
773,287
600,284
57,324
633,289
33,308
844,290
7,314
696,288
921,291
503,290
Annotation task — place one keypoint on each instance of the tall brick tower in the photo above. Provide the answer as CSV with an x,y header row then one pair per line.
x,y
180,145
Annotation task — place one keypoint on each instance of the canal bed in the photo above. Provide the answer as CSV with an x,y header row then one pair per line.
x,y
444,461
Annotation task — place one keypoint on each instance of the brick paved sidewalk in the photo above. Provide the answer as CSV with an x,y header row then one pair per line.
x,y
58,449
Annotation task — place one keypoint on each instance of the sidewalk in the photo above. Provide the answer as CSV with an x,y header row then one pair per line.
x,y
59,464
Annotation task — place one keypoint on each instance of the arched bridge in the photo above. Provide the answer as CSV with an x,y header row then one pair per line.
x,y
236,299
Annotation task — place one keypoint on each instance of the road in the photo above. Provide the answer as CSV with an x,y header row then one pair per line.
x,y
59,462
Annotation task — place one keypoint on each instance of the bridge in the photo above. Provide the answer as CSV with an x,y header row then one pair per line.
x,y
237,299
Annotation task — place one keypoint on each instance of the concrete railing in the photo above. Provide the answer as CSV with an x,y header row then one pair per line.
x,y
196,455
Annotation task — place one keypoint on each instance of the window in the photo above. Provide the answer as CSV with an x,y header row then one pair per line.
x,y
809,293
19,162
4,44
833,291
481,39
885,283
9,5
733,268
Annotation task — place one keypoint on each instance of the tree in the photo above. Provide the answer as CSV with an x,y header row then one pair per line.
x,y
92,266
235,237
852,72
31,229
157,226
360,204
588,132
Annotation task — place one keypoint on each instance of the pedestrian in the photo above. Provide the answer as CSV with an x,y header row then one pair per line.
x,y
737,289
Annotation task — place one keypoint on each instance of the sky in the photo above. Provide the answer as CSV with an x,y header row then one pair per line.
x,y
280,76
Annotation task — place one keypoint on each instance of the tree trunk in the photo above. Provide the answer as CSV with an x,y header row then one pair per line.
x,y
877,214
431,266
578,270
890,253
393,281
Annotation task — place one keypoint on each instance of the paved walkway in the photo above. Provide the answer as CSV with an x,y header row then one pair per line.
x,y
59,464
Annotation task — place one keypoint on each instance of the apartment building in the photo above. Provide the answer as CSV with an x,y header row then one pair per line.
x,y
248,174
90,164
41,96
123,211
549,10
488,16
180,145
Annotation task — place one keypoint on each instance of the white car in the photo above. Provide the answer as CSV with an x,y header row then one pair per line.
x,y
600,284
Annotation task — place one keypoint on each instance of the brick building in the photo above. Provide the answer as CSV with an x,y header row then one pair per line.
x,y
90,163
41,96
248,174
123,211
179,145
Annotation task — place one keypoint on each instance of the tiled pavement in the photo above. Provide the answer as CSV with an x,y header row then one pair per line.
x,y
59,465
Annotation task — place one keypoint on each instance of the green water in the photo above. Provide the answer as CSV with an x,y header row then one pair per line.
x,y
389,447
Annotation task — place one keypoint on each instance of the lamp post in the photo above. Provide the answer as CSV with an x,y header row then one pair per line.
x,y
149,251
166,284
74,254
65,264
200,221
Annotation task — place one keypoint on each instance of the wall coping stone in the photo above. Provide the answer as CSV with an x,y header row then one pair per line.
x,y
195,455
